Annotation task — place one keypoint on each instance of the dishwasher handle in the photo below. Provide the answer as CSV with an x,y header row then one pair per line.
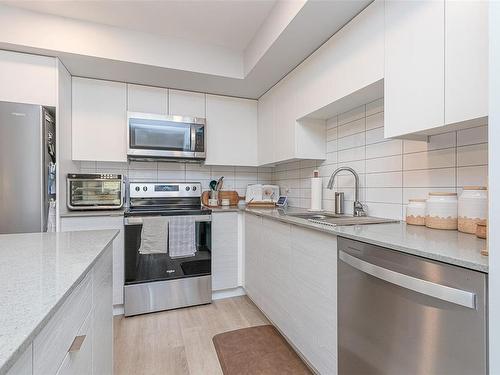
x,y
442,292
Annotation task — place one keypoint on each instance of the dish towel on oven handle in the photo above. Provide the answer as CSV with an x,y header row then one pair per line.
x,y
182,236
154,235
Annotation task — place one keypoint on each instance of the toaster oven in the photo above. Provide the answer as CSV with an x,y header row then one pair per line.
x,y
99,191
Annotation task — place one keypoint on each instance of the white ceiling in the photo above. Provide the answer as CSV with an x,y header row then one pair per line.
x,y
227,23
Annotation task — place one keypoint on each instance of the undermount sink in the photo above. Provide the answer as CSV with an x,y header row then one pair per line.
x,y
331,219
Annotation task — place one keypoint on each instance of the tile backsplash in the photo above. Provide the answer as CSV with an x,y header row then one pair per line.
x,y
235,178
390,171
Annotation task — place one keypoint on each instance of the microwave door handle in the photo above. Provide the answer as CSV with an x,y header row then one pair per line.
x,y
442,292
193,138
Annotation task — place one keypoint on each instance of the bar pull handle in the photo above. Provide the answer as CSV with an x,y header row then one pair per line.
x,y
77,343
442,292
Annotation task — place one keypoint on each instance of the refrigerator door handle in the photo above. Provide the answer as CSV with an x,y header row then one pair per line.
x,y
442,292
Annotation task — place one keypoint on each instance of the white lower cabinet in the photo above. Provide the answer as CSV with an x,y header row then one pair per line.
x,y
104,222
291,275
225,261
78,338
24,365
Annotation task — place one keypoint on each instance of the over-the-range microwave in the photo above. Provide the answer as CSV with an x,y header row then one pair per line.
x,y
151,136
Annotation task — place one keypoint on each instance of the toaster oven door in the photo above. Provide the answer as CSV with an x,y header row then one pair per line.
x,y
98,194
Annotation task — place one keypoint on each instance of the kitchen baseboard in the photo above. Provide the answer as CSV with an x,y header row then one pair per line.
x,y
228,293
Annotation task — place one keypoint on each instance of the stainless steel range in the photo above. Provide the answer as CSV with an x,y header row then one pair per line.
x,y
167,247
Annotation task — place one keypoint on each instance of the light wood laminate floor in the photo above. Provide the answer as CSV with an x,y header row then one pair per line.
x,y
179,341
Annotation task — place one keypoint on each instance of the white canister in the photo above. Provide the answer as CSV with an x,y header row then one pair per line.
x,y
441,211
472,208
415,212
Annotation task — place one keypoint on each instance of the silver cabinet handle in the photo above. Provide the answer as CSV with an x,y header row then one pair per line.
x,y
77,343
442,292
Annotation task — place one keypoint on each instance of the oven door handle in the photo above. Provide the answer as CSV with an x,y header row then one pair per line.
x,y
136,220
428,288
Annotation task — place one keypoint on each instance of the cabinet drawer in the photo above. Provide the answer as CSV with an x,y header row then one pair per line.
x,y
52,343
79,360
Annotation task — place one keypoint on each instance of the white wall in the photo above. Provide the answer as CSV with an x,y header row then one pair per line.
x,y
27,78
391,171
494,188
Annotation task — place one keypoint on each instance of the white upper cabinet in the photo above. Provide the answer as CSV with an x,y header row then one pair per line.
x,y
186,103
147,99
436,66
265,130
99,120
414,66
466,50
231,131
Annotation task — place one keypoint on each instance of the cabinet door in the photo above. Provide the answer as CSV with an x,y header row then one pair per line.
x,y
466,78
104,222
99,120
24,365
224,250
265,129
414,66
231,131
253,259
79,361
102,298
147,99
186,103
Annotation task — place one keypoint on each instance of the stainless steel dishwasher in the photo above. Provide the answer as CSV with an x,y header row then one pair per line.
x,y
403,314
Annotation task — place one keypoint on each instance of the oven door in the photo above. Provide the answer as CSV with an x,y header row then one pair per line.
x,y
94,194
165,136
155,282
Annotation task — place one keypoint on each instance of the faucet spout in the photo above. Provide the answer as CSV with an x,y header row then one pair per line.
x,y
358,207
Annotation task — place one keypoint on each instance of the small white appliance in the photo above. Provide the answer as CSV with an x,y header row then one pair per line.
x,y
262,193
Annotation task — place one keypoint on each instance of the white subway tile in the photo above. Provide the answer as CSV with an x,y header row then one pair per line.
x,y
352,115
375,136
331,122
246,169
430,159
350,128
143,174
375,121
171,175
197,167
331,134
472,136
388,148
436,142
143,165
88,165
423,193
472,155
198,175
477,175
103,165
331,146
354,140
221,169
381,180
358,166
386,164
352,154
444,177
375,107
384,195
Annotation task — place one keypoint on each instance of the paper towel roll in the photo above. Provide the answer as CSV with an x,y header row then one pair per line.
x,y
316,193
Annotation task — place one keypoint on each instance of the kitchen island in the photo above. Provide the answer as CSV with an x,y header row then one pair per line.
x,y
54,286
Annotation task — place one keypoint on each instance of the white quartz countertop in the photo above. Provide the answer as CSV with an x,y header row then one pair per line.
x,y
38,271
447,246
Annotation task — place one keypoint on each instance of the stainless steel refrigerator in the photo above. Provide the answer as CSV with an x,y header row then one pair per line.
x,y
27,167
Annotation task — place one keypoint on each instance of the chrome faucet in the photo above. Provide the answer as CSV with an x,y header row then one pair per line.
x,y
358,207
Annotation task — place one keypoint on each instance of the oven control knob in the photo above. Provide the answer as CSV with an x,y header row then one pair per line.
x,y
137,188
187,188
145,188
194,188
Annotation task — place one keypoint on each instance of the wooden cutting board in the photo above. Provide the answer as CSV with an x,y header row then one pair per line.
x,y
223,194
